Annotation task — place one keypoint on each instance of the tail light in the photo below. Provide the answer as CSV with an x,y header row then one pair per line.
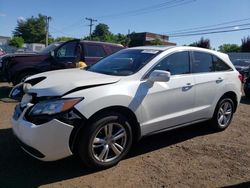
x,y
241,77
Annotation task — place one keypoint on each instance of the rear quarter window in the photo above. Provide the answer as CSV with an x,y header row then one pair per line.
x,y
220,65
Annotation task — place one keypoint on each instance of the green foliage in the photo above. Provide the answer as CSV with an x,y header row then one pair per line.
x,y
227,48
202,43
245,46
32,30
156,42
63,38
102,33
16,42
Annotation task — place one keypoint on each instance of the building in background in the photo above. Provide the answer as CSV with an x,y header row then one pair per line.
x,y
4,40
146,39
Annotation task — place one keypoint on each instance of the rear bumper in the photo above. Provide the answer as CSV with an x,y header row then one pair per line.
x,y
46,142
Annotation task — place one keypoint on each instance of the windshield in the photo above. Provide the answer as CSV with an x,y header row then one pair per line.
x,y
241,63
124,63
49,48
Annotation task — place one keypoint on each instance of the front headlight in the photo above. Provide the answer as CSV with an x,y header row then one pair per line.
x,y
53,106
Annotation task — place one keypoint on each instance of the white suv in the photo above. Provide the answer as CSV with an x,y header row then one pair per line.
x,y
98,112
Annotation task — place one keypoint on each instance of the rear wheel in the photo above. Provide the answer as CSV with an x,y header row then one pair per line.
x,y
105,141
223,114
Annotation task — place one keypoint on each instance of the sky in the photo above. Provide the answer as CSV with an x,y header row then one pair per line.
x,y
158,16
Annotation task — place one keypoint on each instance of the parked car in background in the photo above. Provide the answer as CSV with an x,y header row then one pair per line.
x,y
2,52
247,87
98,112
243,66
59,55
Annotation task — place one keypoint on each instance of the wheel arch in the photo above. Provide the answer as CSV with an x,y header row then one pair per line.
x,y
28,69
123,111
135,126
232,95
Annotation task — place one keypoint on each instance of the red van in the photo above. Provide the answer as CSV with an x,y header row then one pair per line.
x,y
59,55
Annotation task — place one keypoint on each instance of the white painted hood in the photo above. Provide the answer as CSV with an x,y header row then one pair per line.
x,y
59,82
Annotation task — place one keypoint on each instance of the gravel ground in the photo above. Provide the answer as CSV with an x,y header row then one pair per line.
x,y
188,157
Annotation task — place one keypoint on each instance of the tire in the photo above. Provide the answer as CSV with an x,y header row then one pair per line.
x,y
105,141
22,76
223,114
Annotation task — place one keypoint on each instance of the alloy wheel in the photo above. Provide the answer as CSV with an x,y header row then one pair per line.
x,y
109,142
225,114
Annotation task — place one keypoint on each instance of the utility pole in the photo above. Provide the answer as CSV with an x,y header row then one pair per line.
x,y
48,19
91,20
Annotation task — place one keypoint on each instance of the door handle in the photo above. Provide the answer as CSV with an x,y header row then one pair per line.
x,y
187,87
219,80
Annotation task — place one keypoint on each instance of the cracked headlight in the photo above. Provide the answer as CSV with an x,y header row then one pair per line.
x,y
53,106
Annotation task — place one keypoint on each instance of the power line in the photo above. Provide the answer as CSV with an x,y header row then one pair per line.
x,y
212,32
208,26
146,10
212,29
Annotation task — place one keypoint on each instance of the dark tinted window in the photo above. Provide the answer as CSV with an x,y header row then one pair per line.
x,y
115,48
67,50
202,62
92,50
177,63
219,65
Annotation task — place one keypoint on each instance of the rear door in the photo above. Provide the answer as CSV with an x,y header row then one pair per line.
x,y
209,84
67,55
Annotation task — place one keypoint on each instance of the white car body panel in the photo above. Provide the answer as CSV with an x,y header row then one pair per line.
x,y
62,81
51,138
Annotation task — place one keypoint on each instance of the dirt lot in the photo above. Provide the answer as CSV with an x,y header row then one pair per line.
x,y
188,157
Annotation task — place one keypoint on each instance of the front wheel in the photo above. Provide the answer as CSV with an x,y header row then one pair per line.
x,y
223,114
106,141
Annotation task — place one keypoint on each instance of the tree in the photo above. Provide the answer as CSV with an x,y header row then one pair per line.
x,y
156,42
16,42
245,46
227,48
202,43
32,30
102,33
63,38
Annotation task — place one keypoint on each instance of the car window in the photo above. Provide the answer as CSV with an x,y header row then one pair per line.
x,y
92,50
219,65
124,62
67,50
177,63
115,48
202,62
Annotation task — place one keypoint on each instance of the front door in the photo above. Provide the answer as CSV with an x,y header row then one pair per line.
x,y
169,104
66,56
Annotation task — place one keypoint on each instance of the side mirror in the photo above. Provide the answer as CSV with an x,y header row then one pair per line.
x,y
52,53
159,76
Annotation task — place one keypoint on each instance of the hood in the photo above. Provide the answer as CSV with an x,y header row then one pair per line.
x,y
28,57
62,82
